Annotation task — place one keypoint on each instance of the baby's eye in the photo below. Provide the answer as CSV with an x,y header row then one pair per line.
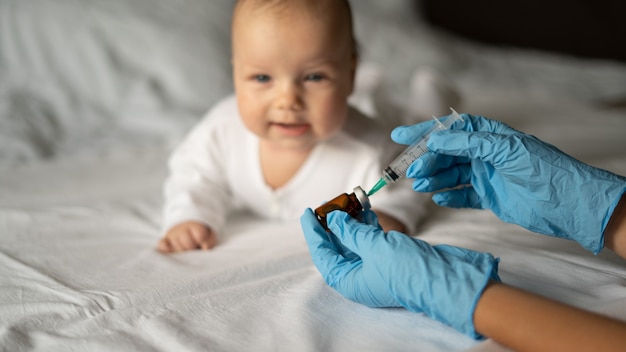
x,y
315,77
262,78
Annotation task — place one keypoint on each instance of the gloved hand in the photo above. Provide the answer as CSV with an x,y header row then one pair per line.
x,y
394,270
520,178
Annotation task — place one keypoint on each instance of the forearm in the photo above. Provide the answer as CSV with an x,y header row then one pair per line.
x,y
189,198
388,222
527,322
615,232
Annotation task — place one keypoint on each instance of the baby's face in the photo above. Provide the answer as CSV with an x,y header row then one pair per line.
x,y
293,75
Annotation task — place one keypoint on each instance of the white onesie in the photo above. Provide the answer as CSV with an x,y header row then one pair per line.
x,y
217,169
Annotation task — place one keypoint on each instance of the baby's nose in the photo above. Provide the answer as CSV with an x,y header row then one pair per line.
x,y
289,97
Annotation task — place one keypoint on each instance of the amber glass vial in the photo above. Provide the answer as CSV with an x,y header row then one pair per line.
x,y
354,204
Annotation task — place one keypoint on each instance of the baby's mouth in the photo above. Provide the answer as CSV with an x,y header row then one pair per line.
x,y
292,129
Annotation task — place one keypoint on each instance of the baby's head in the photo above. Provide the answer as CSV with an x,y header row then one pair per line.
x,y
293,68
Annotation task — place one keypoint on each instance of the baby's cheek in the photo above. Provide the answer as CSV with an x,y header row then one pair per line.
x,y
332,112
254,120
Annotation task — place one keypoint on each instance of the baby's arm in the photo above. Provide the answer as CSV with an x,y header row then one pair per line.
x,y
186,236
388,222
196,192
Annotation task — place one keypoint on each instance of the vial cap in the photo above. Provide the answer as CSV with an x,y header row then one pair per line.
x,y
361,195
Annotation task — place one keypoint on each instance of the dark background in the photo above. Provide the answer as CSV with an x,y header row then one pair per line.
x,y
587,28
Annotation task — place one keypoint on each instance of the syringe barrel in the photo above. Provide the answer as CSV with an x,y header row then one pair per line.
x,y
390,175
398,167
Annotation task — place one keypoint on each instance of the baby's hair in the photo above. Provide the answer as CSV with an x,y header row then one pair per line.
x,y
341,8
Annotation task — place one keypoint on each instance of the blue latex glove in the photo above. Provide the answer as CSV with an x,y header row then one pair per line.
x,y
520,178
394,270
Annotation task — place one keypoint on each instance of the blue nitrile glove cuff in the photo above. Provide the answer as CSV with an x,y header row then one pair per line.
x,y
456,281
609,213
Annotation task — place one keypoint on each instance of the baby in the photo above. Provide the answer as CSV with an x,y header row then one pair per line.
x,y
287,140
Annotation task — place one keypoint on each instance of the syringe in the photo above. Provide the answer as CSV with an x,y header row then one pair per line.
x,y
401,163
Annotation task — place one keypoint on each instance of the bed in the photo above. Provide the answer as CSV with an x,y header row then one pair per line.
x,y
95,94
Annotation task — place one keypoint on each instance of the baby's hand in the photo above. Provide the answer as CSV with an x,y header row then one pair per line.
x,y
186,236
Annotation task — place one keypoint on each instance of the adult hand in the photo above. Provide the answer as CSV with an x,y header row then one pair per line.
x,y
522,179
392,269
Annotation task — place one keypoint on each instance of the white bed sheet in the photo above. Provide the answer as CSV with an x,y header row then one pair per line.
x,y
80,190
